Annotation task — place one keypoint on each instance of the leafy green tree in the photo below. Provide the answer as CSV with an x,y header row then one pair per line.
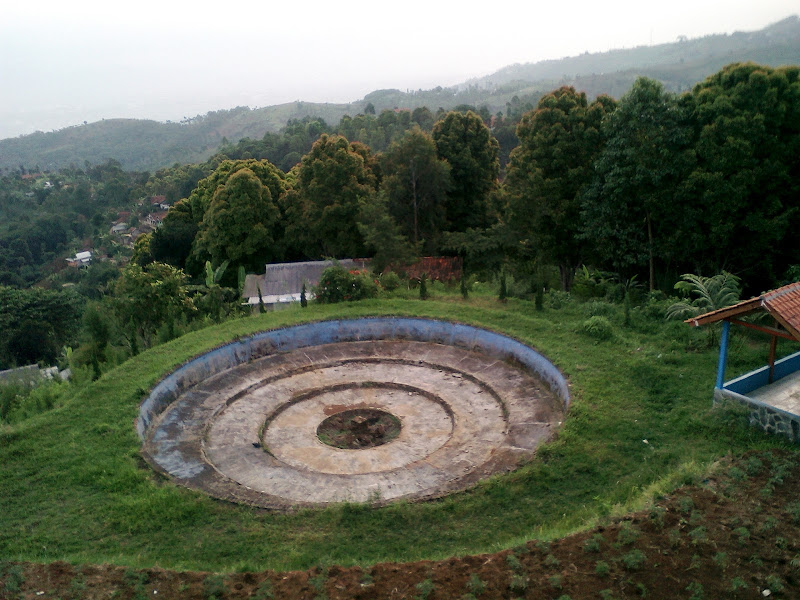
x,y
36,324
416,182
423,287
96,334
548,171
172,242
746,182
635,210
323,206
705,294
214,296
423,117
267,173
240,222
465,142
382,235
148,297
337,284
141,250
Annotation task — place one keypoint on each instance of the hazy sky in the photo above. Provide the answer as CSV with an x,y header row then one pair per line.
x,y
66,61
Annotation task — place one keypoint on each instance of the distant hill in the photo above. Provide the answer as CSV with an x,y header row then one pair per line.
x,y
148,145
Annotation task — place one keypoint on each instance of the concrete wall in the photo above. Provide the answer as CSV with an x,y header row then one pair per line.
x,y
770,419
760,377
327,332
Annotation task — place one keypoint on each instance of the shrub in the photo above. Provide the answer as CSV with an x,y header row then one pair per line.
x,y
423,287
390,281
627,535
519,583
737,583
593,543
337,284
425,588
475,585
513,563
602,568
599,328
213,587
597,308
557,299
634,559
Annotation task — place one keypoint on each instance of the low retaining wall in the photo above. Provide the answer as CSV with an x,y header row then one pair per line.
x,y
760,377
346,330
770,419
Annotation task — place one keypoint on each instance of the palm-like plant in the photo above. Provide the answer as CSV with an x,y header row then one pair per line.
x,y
710,293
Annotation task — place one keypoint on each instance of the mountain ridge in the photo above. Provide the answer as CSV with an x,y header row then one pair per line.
x,y
141,144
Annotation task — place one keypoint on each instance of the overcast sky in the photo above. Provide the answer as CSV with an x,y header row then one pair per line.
x,y
64,62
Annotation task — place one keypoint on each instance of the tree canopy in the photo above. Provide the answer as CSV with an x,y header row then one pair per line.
x,y
632,210
465,142
548,171
323,205
416,183
240,222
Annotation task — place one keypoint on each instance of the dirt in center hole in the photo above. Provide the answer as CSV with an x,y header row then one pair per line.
x,y
359,429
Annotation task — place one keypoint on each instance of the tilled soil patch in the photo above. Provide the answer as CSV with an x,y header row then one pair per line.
x,y
737,535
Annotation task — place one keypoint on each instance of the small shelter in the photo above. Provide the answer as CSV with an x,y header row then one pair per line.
x,y
771,392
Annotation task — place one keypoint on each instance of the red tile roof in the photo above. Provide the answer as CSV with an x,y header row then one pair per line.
x,y
783,304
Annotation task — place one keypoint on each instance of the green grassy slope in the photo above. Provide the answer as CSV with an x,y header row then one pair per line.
x,y
73,487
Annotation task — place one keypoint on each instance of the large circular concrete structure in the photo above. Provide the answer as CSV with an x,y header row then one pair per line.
x,y
364,410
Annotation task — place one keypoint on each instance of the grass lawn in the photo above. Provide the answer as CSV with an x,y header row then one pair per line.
x,y
73,487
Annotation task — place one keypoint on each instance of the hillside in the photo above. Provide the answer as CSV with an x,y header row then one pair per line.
x,y
148,145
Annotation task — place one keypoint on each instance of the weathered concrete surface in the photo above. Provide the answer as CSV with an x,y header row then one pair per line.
x,y
248,433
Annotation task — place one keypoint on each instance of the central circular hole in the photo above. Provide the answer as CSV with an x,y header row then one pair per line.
x,y
359,428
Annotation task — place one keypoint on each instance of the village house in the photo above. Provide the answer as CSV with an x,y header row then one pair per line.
x,y
81,259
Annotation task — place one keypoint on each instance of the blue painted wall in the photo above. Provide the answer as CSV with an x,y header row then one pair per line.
x,y
760,377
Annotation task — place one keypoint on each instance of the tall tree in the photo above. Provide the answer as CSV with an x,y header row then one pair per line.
x,y
548,171
262,200
747,178
416,182
465,142
148,297
323,205
633,210
172,242
36,323
239,225
382,235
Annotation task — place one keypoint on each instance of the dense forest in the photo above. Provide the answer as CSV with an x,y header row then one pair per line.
x,y
148,145
570,196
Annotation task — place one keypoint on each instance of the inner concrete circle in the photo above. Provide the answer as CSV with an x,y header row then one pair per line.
x,y
249,432
359,428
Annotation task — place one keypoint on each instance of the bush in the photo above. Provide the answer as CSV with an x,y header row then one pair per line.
x,y
557,299
390,281
597,308
337,284
599,328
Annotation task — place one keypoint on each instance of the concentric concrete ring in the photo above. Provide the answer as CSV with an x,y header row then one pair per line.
x,y
247,431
